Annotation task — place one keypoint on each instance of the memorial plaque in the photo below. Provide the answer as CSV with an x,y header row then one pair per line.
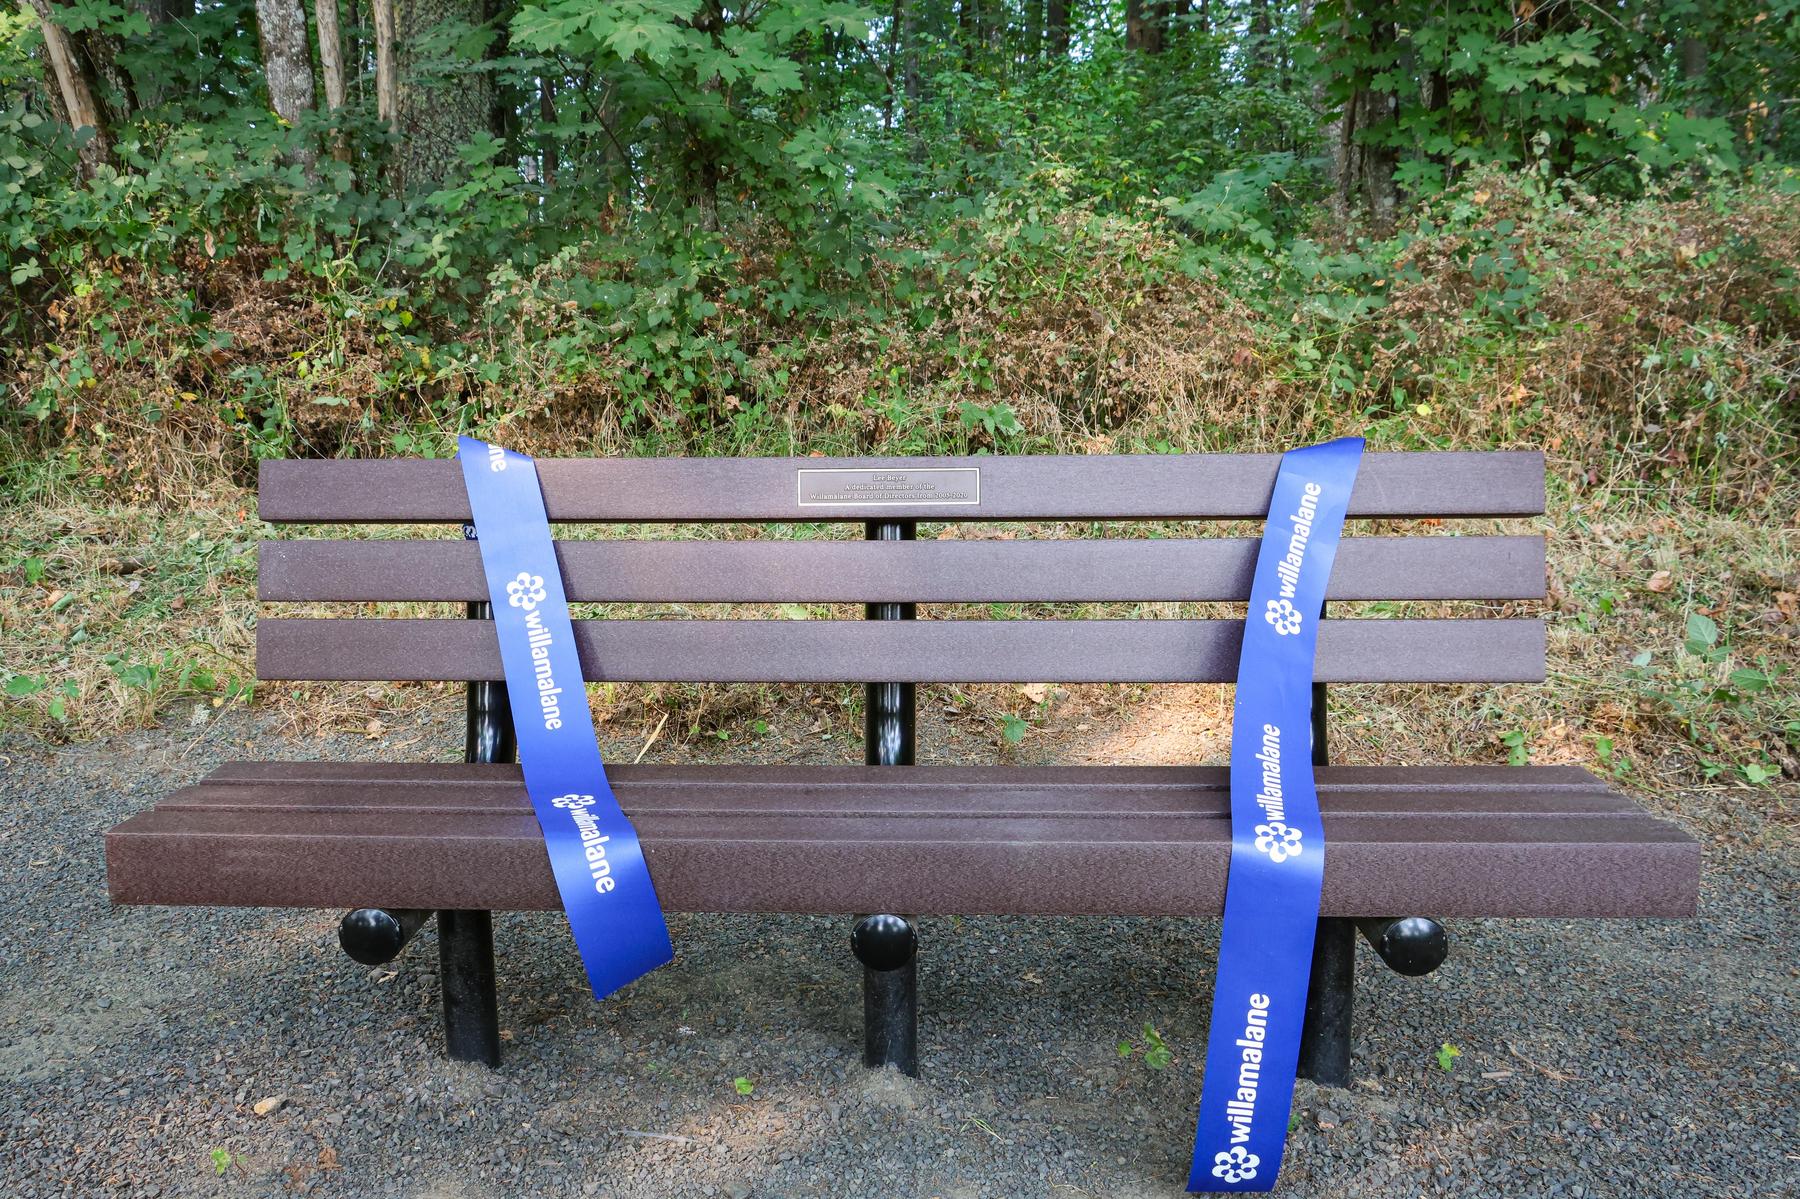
x,y
899,488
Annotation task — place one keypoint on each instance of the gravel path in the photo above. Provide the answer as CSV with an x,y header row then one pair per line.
x,y
1627,1058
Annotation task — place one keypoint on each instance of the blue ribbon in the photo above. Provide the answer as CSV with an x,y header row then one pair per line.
x,y
1277,838
594,851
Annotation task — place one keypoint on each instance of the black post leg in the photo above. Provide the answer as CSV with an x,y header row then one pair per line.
x,y
887,946
471,1004
1325,1036
466,938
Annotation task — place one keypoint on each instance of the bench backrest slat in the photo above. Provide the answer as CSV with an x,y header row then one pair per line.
x,y
927,651
1047,487
1368,568
783,568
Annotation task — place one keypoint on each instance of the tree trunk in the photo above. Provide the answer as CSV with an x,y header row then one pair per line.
x,y
896,19
1261,40
547,119
1693,70
1142,33
287,63
1033,48
438,116
331,52
1364,168
1057,20
331,67
75,88
387,67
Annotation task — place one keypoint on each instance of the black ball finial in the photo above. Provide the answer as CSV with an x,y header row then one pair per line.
x,y
1415,945
884,942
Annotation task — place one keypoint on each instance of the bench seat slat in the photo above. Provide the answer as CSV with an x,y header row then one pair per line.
x,y
947,800
1367,568
1062,850
926,651
1026,487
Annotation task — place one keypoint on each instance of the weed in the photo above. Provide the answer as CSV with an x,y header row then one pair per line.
x,y
1156,1052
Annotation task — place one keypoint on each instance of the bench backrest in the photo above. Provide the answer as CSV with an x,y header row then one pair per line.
x,y
1431,486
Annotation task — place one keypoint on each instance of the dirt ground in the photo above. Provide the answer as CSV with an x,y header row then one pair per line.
x,y
172,1052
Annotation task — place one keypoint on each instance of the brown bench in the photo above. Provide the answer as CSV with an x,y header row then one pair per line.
x,y
400,841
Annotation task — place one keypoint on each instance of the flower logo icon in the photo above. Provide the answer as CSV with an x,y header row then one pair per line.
x,y
1235,1165
1278,841
1284,617
526,591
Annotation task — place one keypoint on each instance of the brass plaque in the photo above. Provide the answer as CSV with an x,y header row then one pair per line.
x,y
873,488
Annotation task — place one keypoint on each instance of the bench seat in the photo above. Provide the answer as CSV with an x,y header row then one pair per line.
x,y
1056,840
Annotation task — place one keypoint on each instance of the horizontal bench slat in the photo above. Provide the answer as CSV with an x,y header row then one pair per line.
x,y
1027,487
1048,852
1339,779
1367,568
945,800
930,651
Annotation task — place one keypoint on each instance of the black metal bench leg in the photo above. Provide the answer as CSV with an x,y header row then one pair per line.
x,y
466,938
1330,998
887,946
471,1002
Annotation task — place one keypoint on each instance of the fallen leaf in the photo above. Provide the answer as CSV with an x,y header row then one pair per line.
x,y
269,1105
1662,580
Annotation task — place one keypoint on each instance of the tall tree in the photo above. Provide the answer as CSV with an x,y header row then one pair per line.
x,y
76,89
442,105
287,63
1056,20
331,66
1142,30
387,65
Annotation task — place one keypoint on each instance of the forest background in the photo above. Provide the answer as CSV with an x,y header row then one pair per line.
x,y
240,230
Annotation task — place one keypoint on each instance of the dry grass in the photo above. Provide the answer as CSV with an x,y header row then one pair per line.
x,y
125,587
1661,376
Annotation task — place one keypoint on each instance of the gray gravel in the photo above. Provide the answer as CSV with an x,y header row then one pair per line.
x,y
1627,1058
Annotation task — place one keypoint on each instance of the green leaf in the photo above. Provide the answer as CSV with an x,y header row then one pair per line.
x,y
21,685
1750,681
1702,633
1013,729
743,1085
1446,1056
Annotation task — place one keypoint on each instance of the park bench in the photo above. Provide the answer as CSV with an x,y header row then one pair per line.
x,y
888,841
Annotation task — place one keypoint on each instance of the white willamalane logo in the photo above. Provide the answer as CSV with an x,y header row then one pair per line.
x,y
1278,841
1235,1165
526,591
1284,616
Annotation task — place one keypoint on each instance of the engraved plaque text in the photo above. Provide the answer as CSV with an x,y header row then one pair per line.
x,y
872,488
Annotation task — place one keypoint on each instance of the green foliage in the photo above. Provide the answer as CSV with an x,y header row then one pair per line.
x,y
1573,90
743,1086
1446,1057
1702,688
